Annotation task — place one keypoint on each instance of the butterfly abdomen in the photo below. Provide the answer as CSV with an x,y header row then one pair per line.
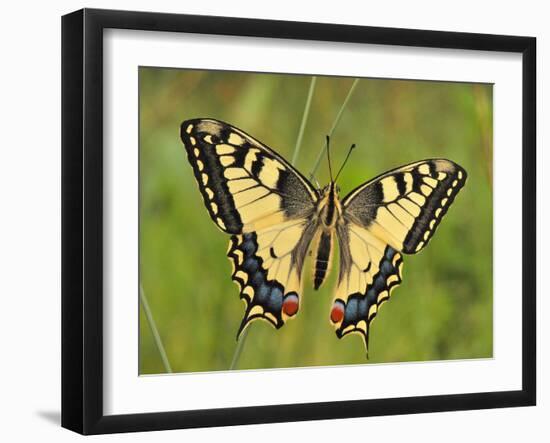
x,y
322,260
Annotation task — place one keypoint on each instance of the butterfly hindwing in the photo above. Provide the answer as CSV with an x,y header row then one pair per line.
x,y
253,194
267,267
405,206
369,271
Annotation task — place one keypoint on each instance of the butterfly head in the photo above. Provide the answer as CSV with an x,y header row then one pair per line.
x,y
331,189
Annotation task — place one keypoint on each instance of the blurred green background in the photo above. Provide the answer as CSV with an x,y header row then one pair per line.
x,y
443,308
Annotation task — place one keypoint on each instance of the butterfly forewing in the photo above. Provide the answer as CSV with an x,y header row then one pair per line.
x,y
245,185
404,206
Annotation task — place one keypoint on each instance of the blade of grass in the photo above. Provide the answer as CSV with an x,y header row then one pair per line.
x,y
297,146
483,110
154,330
239,348
336,121
305,115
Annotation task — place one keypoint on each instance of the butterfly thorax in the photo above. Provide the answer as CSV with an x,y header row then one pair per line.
x,y
329,209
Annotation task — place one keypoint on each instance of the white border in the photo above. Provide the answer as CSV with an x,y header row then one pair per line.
x,y
125,392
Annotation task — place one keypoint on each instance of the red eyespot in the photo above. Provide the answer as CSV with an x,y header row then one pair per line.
x,y
290,305
337,312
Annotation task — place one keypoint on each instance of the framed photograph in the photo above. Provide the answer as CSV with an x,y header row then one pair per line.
x,y
243,198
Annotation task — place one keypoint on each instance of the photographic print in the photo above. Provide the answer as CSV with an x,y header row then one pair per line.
x,y
279,213
313,206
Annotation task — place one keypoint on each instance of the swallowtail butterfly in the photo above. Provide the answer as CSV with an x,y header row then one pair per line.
x,y
275,217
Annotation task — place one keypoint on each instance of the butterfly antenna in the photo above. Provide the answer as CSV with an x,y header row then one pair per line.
x,y
345,161
328,157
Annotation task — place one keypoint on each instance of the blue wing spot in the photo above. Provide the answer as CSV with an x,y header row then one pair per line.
x,y
363,306
379,283
251,265
387,268
262,293
248,246
351,311
390,252
371,296
257,279
275,301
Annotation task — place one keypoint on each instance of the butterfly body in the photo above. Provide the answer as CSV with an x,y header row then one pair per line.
x,y
275,217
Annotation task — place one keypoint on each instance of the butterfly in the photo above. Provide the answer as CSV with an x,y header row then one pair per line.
x,y
276,217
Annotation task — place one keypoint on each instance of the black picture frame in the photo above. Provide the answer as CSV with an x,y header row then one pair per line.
x,y
82,220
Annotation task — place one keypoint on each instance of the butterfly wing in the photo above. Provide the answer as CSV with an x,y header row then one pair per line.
x,y
255,195
244,184
369,271
267,267
395,213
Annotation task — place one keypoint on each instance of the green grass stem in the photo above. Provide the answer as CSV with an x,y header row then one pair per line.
x,y
154,330
334,125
